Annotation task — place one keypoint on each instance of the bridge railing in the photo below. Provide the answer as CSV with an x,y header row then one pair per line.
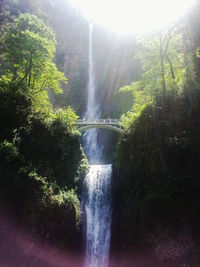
x,y
97,121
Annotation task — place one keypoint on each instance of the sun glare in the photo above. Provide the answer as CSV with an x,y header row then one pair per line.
x,y
133,15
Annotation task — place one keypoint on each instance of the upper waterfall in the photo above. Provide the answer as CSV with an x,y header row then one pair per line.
x,y
92,106
92,111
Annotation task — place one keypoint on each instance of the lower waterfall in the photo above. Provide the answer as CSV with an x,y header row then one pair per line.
x,y
98,215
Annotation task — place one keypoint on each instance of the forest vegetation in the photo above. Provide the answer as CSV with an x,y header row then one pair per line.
x,y
151,81
42,162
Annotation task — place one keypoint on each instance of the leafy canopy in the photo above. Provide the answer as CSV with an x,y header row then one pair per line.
x,y
28,51
162,58
29,71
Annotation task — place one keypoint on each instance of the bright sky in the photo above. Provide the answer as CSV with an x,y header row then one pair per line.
x,y
133,15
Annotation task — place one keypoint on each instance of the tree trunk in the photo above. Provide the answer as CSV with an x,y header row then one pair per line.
x,y
30,69
171,68
163,83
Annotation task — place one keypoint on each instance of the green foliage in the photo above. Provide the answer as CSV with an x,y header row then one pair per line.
x,y
68,196
82,170
41,165
70,199
13,8
42,161
15,109
163,58
130,118
67,117
9,150
27,52
141,100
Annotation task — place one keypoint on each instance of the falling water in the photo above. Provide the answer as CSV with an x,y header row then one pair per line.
x,y
97,197
98,214
90,137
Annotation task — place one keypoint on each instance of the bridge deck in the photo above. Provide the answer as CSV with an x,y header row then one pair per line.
x,y
112,124
97,122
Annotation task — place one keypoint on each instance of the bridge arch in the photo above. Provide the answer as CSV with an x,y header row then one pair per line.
x,y
110,124
109,127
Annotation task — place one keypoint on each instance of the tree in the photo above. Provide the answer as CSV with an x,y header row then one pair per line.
x,y
163,69
28,51
192,37
10,9
162,59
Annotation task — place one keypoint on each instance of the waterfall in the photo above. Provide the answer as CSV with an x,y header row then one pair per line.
x,y
90,137
98,215
97,195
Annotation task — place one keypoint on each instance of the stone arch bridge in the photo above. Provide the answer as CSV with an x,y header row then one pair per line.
x,y
111,124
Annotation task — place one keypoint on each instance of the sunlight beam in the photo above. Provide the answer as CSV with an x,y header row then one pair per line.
x,y
133,15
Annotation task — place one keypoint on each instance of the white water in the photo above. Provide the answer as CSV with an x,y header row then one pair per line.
x,y
92,112
98,215
97,196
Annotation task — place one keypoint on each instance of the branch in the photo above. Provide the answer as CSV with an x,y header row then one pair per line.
x,y
167,45
171,67
24,76
169,38
41,87
30,68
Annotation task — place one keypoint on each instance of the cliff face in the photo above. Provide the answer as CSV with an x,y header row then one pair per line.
x,y
114,61
71,52
156,182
